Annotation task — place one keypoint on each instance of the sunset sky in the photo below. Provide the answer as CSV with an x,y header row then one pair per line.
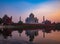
x,y
16,8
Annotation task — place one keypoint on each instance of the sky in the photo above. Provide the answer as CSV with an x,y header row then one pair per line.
x,y
16,8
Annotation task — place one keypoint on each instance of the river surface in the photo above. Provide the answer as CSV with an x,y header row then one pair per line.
x,y
38,36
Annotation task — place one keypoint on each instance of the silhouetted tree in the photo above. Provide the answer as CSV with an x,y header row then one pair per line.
x,y
0,20
7,20
20,22
57,26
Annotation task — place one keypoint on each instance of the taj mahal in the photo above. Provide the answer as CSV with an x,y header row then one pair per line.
x,y
31,19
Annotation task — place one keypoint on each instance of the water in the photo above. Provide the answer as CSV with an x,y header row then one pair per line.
x,y
37,36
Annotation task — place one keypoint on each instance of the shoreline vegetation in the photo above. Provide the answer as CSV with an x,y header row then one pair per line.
x,y
32,26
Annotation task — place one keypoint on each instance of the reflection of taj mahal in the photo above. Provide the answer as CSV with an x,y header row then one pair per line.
x,y
31,19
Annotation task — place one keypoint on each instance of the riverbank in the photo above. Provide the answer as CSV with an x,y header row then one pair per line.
x,y
32,26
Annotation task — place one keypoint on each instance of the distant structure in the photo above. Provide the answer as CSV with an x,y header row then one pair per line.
x,y
46,21
31,19
7,20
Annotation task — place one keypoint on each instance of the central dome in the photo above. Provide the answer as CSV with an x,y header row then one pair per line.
x,y
31,15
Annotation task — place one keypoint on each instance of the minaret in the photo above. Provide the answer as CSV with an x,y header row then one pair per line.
x,y
20,18
43,18
43,29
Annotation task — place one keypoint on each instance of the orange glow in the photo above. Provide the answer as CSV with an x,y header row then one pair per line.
x,y
55,16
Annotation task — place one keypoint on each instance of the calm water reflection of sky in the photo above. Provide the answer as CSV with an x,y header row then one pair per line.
x,y
22,38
